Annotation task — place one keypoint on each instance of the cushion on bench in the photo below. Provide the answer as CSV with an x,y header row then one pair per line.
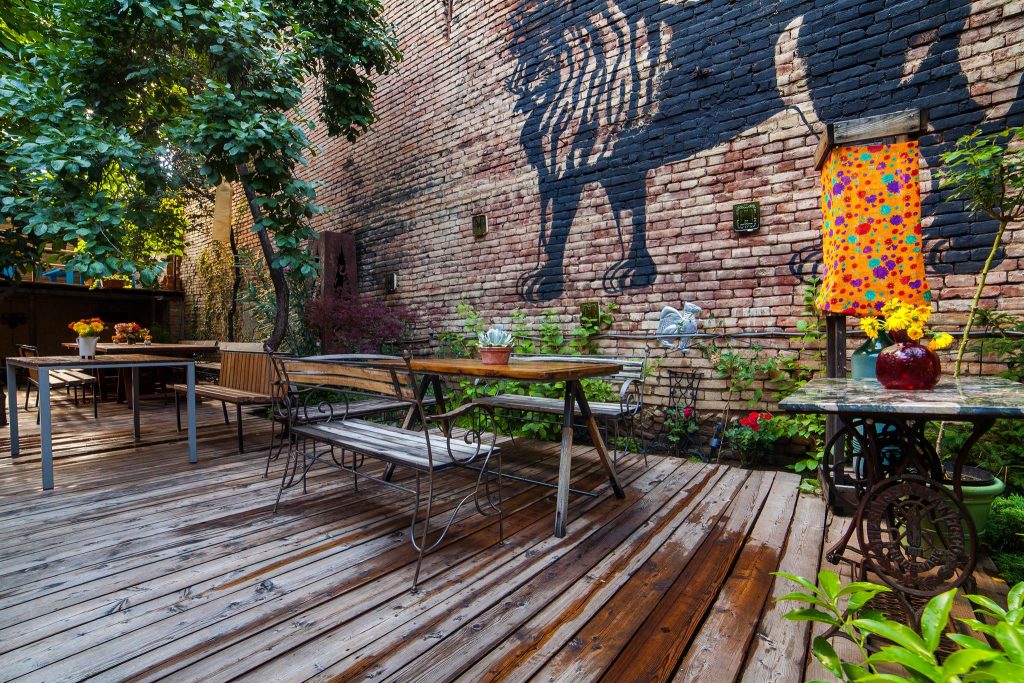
x,y
390,444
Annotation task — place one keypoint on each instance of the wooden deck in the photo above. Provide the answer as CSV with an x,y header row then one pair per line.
x,y
140,567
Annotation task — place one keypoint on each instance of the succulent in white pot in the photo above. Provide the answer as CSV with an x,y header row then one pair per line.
x,y
495,346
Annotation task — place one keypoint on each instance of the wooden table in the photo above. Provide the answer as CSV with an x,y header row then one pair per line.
x,y
185,350
542,372
131,361
900,486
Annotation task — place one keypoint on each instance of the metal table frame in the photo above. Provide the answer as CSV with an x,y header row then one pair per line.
x,y
903,507
46,363
541,372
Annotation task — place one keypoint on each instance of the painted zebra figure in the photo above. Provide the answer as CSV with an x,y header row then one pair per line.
x,y
611,89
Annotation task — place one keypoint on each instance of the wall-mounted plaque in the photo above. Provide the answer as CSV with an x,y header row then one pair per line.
x,y
746,217
479,225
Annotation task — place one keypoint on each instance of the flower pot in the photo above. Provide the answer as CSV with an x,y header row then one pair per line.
x,y
979,489
113,284
87,347
908,365
495,355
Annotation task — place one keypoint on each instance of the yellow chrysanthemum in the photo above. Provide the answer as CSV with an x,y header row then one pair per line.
x,y
915,332
940,341
898,319
96,327
870,326
891,306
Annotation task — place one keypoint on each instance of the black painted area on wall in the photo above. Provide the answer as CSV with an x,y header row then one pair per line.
x,y
611,90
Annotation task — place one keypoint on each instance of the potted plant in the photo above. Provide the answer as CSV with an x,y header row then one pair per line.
x,y
127,333
495,346
88,331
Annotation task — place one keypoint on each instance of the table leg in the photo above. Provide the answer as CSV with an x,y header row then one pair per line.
x,y
12,407
3,408
190,379
45,436
595,436
135,403
565,462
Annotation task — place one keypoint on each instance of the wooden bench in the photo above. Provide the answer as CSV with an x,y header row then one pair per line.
x,y
352,407
69,380
302,384
209,368
246,380
630,384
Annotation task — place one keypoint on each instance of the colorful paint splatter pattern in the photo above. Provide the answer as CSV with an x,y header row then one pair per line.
x,y
871,232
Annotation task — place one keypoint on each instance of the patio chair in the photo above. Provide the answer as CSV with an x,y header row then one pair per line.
x,y
69,380
246,380
426,452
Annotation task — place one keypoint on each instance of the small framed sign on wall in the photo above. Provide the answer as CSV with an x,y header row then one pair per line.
x,y
746,217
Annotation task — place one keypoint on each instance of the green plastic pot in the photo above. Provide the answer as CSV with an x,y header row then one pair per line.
x,y
979,488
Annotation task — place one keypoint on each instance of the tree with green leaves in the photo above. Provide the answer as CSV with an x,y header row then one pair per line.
x,y
114,114
986,172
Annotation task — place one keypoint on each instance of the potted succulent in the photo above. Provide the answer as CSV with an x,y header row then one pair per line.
x,y
495,346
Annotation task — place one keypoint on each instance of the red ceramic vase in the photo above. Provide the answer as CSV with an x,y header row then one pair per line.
x,y
909,366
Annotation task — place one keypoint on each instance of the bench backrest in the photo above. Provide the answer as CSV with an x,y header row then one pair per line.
x,y
352,376
634,370
246,367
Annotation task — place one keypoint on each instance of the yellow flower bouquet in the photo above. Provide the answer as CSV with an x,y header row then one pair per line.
x,y
908,364
87,327
905,321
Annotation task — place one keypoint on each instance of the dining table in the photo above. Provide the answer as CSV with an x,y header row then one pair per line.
x,y
571,373
125,384
130,361
912,528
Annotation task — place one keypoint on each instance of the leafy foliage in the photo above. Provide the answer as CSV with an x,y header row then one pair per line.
x,y
257,294
546,337
986,172
172,97
845,607
1004,536
358,324
757,371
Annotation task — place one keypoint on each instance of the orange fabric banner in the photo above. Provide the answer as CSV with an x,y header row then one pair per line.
x,y
871,230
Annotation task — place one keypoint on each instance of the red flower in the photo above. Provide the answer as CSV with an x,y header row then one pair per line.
x,y
687,412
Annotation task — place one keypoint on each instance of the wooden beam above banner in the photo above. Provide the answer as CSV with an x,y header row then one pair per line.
x,y
910,122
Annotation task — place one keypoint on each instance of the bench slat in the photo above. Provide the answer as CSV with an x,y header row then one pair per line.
x,y
391,444
542,404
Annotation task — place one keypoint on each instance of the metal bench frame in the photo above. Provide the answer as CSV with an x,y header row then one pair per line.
x,y
313,422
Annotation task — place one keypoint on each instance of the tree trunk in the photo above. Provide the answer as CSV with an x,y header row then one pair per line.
x,y
281,293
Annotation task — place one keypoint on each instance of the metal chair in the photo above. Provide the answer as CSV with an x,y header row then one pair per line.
x,y
69,380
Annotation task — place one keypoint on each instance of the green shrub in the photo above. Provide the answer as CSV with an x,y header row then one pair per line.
x,y
1004,536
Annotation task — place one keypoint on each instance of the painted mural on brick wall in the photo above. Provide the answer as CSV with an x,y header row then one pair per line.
x,y
611,90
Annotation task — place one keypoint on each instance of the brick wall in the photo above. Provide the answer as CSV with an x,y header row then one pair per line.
x,y
607,143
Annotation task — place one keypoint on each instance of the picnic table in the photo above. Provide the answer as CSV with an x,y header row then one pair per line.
x,y
130,361
571,373
912,528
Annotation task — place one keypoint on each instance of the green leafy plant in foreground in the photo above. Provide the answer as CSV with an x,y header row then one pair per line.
x,y
846,608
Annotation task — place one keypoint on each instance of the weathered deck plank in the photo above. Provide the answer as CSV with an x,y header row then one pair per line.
x,y
139,566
